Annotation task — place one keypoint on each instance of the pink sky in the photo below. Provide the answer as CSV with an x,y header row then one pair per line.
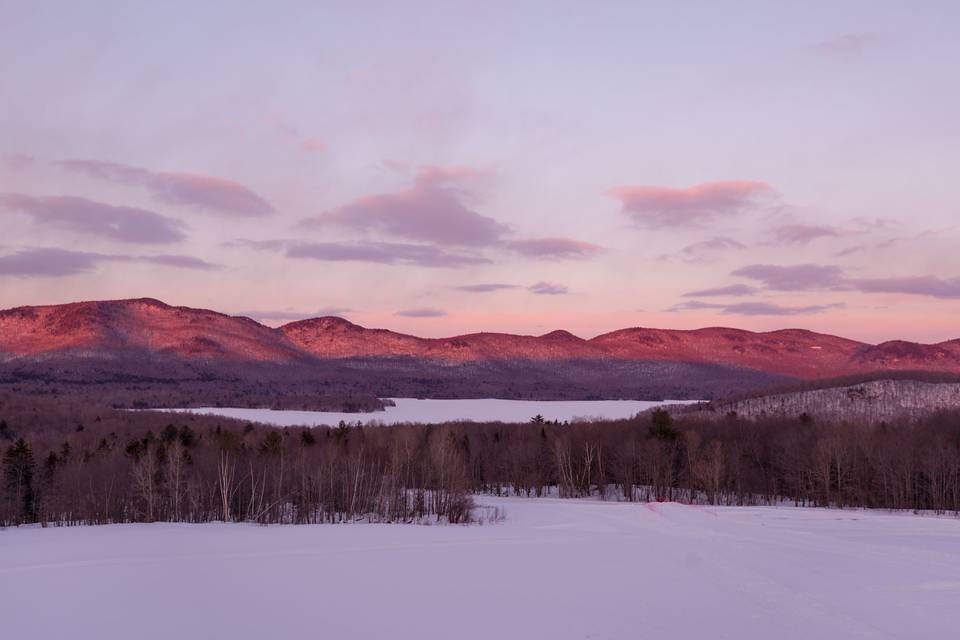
x,y
440,169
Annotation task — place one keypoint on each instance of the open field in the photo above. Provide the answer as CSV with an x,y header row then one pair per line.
x,y
551,569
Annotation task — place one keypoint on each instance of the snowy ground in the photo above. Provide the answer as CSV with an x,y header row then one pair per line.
x,y
432,411
552,569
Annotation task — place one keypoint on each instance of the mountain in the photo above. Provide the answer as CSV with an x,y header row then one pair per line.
x,y
147,341
106,328
789,352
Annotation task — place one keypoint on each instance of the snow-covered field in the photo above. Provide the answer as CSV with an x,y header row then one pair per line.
x,y
430,411
552,569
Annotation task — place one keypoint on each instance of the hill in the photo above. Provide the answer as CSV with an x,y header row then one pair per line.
x,y
153,348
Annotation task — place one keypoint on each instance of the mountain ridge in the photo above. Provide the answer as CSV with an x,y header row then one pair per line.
x,y
156,329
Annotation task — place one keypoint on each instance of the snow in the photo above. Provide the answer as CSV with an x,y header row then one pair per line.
x,y
552,569
431,411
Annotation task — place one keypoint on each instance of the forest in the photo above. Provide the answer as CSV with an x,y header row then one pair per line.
x,y
67,463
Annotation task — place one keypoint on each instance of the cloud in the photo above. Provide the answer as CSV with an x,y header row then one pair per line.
x,y
755,308
708,249
803,277
809,277
181,262
123,224
382,253
313,144
849,251
732,290
663,207
43,262
430,210
259,245
217,195
917,285
294,135
47,262
421,255
485,288
548,288
425,312
555,248
797,234
17,161
849,45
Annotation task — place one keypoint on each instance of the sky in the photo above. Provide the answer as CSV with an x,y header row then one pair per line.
x,y
449,167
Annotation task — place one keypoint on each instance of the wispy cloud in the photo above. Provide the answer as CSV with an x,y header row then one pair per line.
x,y
47,262
420,255
383,253
210,193
424,312
485,287
555,248
800,234
708,250
755,308
122,224
664,207
731,290
802,277
432,209
850,45
548,288
813,277
933,286
17,161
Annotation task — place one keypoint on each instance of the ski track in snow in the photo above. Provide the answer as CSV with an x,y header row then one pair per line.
x,y
553,569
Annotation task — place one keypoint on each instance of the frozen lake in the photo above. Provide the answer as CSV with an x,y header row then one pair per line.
x,y
436,411
559,569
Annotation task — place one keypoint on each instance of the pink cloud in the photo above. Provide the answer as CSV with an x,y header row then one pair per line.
x,y
432,209
210,193
556,248
313,144
662,207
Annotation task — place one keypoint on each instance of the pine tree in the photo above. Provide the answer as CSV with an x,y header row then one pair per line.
x,y
18,469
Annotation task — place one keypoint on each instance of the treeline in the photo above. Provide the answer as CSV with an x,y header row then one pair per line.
x,y
235,474
796,386
68,465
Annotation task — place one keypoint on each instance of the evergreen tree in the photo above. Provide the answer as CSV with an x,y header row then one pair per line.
x,y
18,469
661,425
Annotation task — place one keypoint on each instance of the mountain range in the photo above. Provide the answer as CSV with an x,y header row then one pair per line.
x,y
144,339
